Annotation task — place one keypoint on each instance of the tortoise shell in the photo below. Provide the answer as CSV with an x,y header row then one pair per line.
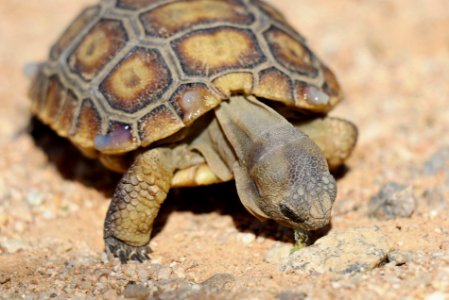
x,y
127,73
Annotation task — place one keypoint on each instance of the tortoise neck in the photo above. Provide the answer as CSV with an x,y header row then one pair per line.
x,y
247,123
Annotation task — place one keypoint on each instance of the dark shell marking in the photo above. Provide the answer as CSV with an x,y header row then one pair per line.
x,y
128,73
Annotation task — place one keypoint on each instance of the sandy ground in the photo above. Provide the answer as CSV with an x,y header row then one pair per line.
x,y
392,58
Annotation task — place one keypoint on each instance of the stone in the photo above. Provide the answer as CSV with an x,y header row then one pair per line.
x,y
278,253
35,198
393,201
355,250
218,281
399,258
110,294
437,162
13,245
247,238
137,291
289,295
164,273
437,296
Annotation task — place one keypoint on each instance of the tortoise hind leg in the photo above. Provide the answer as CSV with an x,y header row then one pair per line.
x,y
135,204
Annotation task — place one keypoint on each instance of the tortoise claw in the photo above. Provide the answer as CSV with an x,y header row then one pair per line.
x,y
126,252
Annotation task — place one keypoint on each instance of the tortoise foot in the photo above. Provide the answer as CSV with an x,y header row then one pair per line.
x,y
126,252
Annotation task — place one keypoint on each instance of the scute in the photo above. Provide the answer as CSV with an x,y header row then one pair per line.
x,y
88,125
138,80
235,83
95,50
128,73
275,85
53,100
86,16
37,91
169,19
290,53
193,100
159,123
64,123
207,52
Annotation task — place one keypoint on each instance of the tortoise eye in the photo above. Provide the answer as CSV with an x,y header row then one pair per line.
x,y
290,214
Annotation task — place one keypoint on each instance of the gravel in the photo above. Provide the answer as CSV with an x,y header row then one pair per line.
x,y
354,250
393,67
393,201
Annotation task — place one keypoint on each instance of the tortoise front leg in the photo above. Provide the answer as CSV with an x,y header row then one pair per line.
x,y
335,137
135,204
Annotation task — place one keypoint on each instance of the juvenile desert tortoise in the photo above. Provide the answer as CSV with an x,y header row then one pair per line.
x,y
195,92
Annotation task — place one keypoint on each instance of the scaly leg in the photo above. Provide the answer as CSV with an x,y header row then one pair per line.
x,y
136,203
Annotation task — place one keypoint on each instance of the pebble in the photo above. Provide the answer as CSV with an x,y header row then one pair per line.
x,y
110,294
218,281
437,162
13,245
393,201
247,238
35,198
278,253
399,258
356,250
289,295
437,296
164,273
138,291
143,274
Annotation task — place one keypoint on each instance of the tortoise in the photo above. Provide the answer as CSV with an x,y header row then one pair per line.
x,y
177,93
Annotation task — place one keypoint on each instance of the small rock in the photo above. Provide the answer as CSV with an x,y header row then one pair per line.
x,y
179,272
437,296
289,295
138,291
35,198
110,294
218,281
182,290
393,201
143,274
19,227
13,245
355,250
278,253
437,162
164,273
247,238
399,258
48,215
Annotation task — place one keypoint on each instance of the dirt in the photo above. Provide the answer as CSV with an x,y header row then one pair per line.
x,y
392,59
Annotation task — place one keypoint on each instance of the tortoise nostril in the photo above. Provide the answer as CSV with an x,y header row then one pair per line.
x,y
290,214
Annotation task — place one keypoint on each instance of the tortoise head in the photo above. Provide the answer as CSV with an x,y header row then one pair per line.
x,y
280,172
291,179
